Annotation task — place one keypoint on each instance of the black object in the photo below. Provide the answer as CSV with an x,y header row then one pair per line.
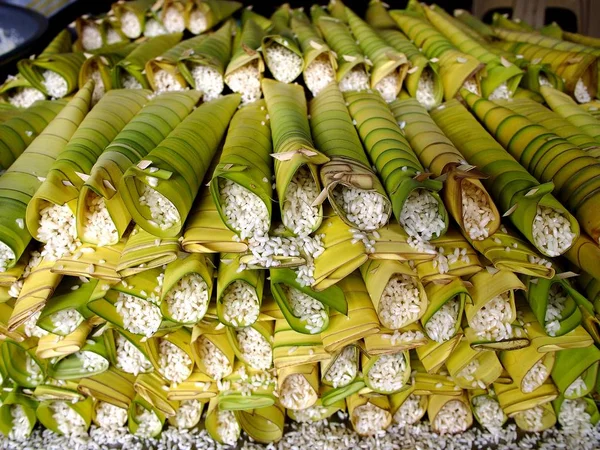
x,y
28,24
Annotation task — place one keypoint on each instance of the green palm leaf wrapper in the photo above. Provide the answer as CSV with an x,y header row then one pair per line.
x,y
249,389
91,360
462,183
138,411
340,375
55,75
25,175
530,197
102,216
422,81
204,65
575,371
352,66
60,189
129,73
144,251
456,67
181,168
377,16
49,412
264,425
245,168
291,348
204,15
295,156
348,173
22,364
502,77
162,71
577,184
356,404
280,48
473,368
15,405
404,178
389,65
132,16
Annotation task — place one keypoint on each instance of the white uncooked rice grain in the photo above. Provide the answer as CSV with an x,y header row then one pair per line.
x,y
245,81
128,81
130,25
365,209
557,298
501,92
188,300
533,418
476,211
197,22
228,427
310,414
7,256
30,326
109,416
298,214
356,79
58,230
296,392
452,418
576,388
369,419
581,93
318,74
139,316
240,304
493,320
574,418
92,362
25,97
389,87
243,209
99,228
56,86
148,422
489,413
20,423
91,38
543,80
344,369
165,81
173,20
441,326
552,231
68,421
162,210
208,80
471,86
535,377
173,363
65,321
284,64
154,28
306,308
410,411
425,94
387,374
400,302
129,358
255,349
215,362
113,36
188,413
420,216
99,89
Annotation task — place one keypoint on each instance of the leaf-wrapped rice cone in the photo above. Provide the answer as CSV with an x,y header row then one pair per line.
x,y
354,191
486,409
575,371
22,364
449,414
443,316
409,337
65,417
340,376
168,193
102,217
132,16
205,14
248,389
291,348
298,386
144,251
410,190
457,69
389,65
19,92
378,17
129,73
369,415
264,425
143,419
408,408
55,75
473,368
90,360
17,415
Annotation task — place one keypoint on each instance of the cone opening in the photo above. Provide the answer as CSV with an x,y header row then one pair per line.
x,y
154,28
256,351
411,410
578,387
240,304
552,232
166,81
20,423
173,19
309,310
91,37
452,418
425,93
25,97
130,24
188,300
421,217
388,373
370,419
163,212
244,211
129,358
68,421
139,316
99,228
298,214
389,86
148,422
400,302
366,209
228,428
188,414
7,256
246,81
344,369
442,325
489,413
296,392
476,212
557,300
197,21
109,416
173,363
493,320
65,321
472,85
356,79
573,416
319,73
536,376
128,81
215,362
99,88
284,64
57,229
532,419
208,80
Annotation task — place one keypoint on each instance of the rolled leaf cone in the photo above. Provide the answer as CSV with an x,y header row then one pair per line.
x,y
367,363
499,73
205,231
471,33
577,364
391,341
136,7
179,184
13,87
36,289
577,38
526,94
433,355
152,388
583,253
437,402
67,391
378,17
264,327
28,406
474,394
141,404
330,394
248,14
198,386
591,287
387,61
56,346
217,336
144,251
548,419
86,22
361,320
541,40
380,401
245,53
579,187
92,261
322,411
590,408
83,408
291,348
397,399
538,297
338,240
284,280
8,111
509,183
168,62
571,65
264,425
245,160
95,132
338,10
112,386
533,74
248,389
310,372
392,243
65,65
456,258
212,12
16,356
378,273
439,294
232,271
390,152
16,272
558,124
134,63
180,338
456,67
213,52
422,68
61,43
292,143
487,366
566,107
23,177
502,21
337,35
140,136
111,335
280,34
436,152
20,131
349,167
72,367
